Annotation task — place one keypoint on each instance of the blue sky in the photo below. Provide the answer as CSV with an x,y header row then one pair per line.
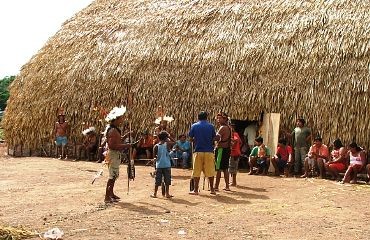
x,y
26,25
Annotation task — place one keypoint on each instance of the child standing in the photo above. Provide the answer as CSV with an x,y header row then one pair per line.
x,y
162,164
236,143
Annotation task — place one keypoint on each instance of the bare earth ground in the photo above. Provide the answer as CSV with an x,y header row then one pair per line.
x,y
42,193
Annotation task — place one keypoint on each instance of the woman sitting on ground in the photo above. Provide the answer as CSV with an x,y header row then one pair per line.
x,y
339,161
356,163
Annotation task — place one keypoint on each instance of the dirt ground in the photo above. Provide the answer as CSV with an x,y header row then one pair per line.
x,y
42,193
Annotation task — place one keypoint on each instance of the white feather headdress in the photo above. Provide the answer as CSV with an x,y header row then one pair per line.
x,y
165,118
87,131
115,113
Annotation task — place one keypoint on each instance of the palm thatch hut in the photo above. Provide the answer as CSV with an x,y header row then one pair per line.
x,y
299,58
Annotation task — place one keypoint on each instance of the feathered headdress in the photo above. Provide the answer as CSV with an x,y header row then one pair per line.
x,y
165,118
87,131
115,113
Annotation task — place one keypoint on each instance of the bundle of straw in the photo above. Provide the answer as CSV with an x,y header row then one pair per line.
x,y
12,233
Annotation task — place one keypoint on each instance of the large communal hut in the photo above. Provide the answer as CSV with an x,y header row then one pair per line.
x,y
298,58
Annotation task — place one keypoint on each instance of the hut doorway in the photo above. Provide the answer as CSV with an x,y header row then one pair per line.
x,y
240,128
268,129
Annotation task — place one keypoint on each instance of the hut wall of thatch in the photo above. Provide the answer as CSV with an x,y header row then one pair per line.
x,y
299,58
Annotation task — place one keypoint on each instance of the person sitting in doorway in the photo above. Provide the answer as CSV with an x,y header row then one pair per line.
x,y
338,162
283,158
259,157
316,158
181,151
144,146
250,133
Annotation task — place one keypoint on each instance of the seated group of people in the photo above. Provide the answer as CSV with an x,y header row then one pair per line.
x,y
318,161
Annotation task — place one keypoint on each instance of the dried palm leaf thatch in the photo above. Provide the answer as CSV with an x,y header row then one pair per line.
x,y
299,58
12,233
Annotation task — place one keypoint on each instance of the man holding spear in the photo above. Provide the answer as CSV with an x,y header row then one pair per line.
x,y
115,147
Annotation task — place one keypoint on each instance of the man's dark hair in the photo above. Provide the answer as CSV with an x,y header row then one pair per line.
x,y
302,121
259,139
354,145
182,135
318,138
337,143
202,115
282,141
163,135
222,114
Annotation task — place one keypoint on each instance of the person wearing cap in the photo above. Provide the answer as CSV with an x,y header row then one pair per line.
x,y
202,134
61,133
317,156
223,150
115,147
301,137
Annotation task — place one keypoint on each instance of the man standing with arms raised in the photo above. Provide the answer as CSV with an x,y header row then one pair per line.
x,y
202,134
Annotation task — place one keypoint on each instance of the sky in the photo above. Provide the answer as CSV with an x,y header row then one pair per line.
x,y
26,25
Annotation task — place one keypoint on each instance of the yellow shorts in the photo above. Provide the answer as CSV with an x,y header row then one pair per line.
x,y
204,161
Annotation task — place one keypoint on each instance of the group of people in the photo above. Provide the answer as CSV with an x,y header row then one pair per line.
x,y
89,144
310,160
94,145
217,152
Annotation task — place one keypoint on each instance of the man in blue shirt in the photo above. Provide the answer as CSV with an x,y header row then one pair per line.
x,y
202,134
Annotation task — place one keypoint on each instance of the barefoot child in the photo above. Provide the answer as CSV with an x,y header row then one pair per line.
x,y
236,143
162,164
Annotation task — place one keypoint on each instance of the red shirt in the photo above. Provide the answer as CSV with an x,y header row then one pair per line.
x,y
235,146
283,152
147,142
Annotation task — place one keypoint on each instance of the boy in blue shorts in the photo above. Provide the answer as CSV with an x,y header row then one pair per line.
x,y
163,165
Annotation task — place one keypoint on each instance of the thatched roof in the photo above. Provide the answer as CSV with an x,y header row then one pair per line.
x,y
300,58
